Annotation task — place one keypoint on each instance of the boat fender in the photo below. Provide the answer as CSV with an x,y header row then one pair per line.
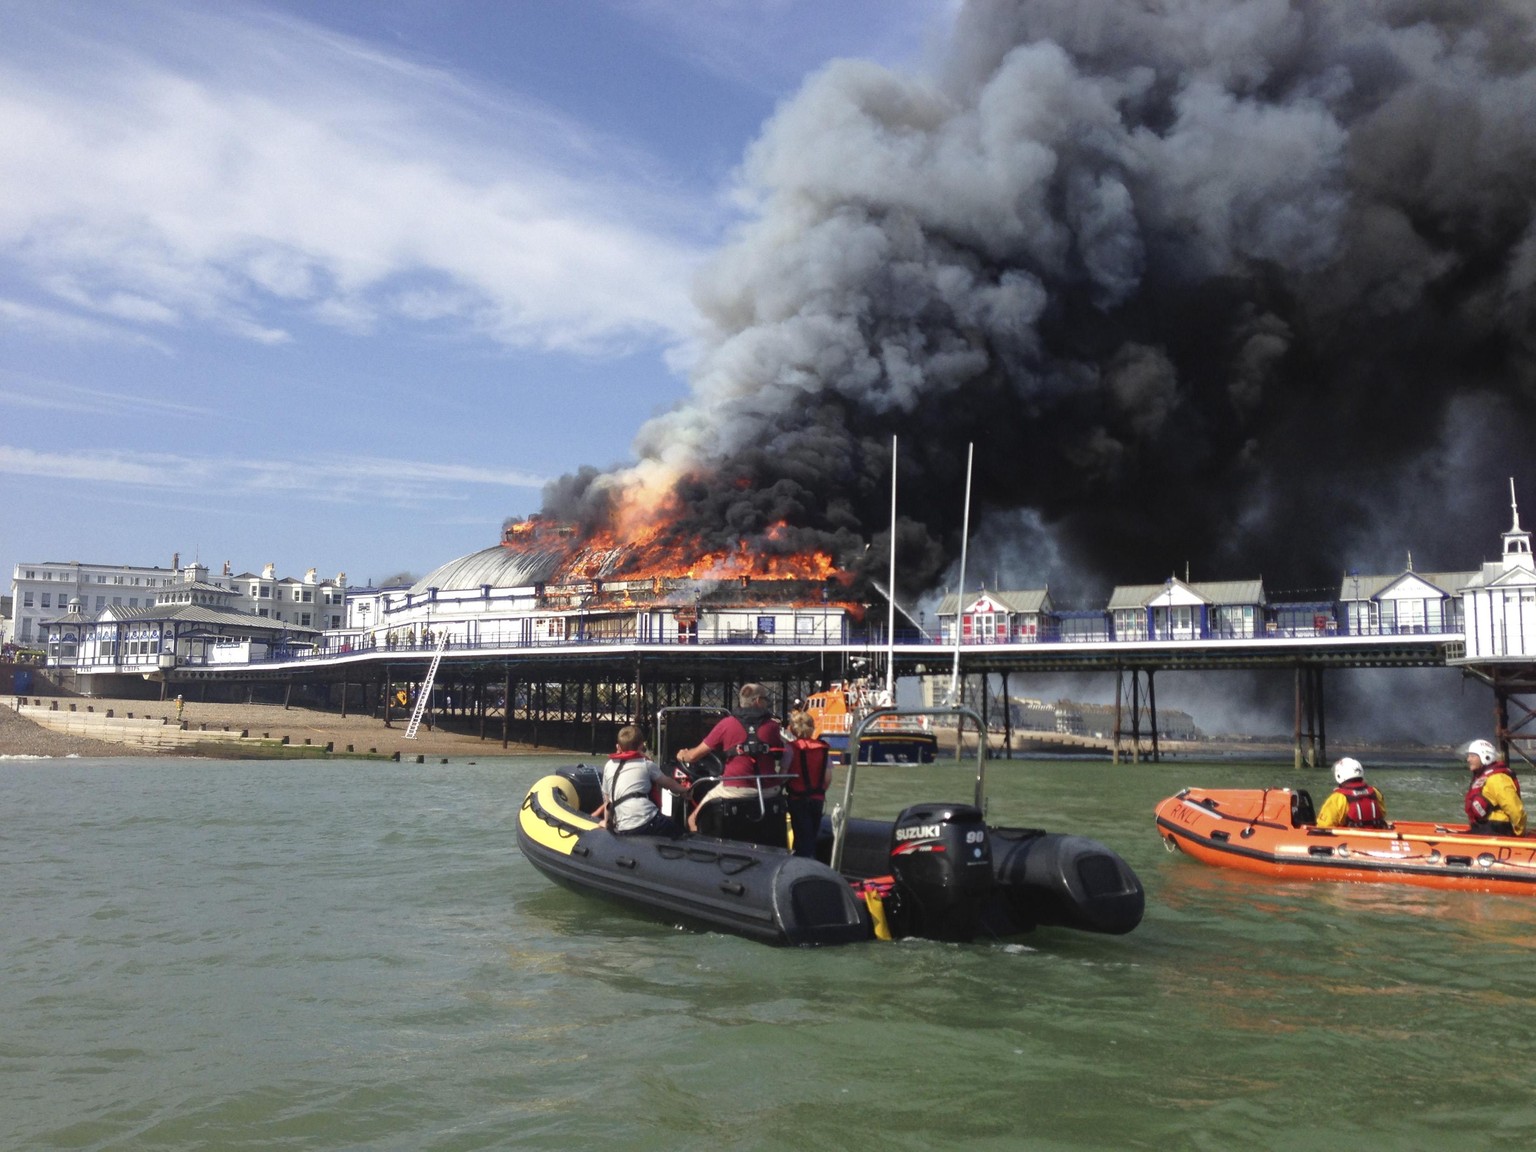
x,y
875,894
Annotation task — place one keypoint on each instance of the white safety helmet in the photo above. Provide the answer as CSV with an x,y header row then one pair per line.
x,y
1347,769
1484,751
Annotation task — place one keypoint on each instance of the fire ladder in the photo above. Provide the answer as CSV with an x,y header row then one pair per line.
x,y
424,693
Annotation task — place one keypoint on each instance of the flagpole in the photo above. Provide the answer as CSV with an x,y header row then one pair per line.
x,y
965,536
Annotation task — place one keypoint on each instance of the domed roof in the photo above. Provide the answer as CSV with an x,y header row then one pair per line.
x,y
498,566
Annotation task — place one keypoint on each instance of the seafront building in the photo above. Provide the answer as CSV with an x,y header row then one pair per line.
x,y
43,591
112,620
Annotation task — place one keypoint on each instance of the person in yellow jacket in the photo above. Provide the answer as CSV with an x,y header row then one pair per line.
x,y
1354,803
1492,803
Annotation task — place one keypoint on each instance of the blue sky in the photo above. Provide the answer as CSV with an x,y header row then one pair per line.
x,y
342,284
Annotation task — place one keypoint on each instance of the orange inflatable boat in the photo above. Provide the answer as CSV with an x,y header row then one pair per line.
x,y
1272,831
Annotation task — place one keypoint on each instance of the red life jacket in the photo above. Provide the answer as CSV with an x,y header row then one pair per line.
x,y
1479,809
1364,810
808,763
749,755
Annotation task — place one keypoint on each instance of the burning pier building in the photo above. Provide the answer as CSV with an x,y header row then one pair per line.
x,y
550,583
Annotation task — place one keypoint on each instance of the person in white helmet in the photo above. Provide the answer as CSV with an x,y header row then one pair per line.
x,y
1493,803
1354,803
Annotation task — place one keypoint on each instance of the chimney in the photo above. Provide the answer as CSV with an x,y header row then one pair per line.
x,y
269,572
309,577
341,579
228,571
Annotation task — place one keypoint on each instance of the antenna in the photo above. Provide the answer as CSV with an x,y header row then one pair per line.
x,y
890,639
1513,507
965,534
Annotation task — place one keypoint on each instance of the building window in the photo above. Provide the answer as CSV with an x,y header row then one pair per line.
x,y
26,598
304,619
47,600
101,602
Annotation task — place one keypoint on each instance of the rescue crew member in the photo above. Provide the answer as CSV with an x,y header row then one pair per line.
x,y
628,777
750,743
1354,803
1492,802
806,762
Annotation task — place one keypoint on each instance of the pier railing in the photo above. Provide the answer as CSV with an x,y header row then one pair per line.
x,y
350,646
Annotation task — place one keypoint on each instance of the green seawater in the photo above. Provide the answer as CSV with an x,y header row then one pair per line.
x,y
309,955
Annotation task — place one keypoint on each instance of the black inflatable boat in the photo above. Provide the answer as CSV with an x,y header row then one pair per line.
x,y
936,871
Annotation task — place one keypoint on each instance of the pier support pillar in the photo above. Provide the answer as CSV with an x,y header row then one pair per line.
x,y
1310,731
1514,710
1142,705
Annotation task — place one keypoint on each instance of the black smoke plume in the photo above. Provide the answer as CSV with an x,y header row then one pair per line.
x,y
1234,288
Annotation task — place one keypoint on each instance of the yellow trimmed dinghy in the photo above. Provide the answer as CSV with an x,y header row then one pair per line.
x,y
937,871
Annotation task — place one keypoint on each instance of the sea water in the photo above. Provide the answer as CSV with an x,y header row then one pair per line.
x,y
347,955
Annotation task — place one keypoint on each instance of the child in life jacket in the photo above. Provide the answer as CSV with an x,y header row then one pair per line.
x,y
807,762
629,781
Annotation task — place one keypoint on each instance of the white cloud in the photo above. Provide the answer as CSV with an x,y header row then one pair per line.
x,y
40,394
335,478
193,166
775,43
55,324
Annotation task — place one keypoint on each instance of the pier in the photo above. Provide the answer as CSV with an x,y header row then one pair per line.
x,y
575,694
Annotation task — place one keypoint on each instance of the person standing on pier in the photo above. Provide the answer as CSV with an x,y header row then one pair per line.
x,y
1354,803
1493,803
806,762
750,743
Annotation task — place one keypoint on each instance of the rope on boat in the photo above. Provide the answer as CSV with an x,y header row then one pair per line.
x,y
531,804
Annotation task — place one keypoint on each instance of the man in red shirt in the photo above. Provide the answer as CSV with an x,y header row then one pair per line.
x,y
750,744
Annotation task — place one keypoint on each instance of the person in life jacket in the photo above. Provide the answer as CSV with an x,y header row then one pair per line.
x,y
1354,803
1492,803
751,745
807,762
629,777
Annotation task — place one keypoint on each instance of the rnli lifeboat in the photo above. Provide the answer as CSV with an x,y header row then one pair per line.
x,y
938,871
888,740
1272,831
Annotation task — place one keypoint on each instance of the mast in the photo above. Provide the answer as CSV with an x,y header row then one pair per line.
x,y
965,534
890,629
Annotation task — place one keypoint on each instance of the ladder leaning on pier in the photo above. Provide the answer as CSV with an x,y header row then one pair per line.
x,y
424,693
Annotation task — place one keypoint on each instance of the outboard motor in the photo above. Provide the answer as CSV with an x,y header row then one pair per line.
x,y
941,860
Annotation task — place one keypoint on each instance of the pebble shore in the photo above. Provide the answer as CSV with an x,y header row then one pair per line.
x,y
20,736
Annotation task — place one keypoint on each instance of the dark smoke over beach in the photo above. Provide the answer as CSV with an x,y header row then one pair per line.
x,y
1247,288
